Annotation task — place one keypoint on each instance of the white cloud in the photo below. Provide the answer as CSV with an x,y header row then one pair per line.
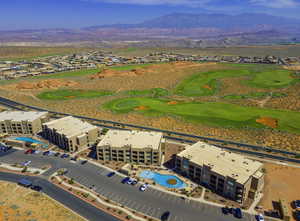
x,y
157,2
276,3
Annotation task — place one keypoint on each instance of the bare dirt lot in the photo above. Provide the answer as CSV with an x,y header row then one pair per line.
x,y
19,204
281,182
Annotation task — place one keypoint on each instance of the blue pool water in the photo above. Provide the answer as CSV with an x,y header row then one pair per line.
x,y
162,179
30,140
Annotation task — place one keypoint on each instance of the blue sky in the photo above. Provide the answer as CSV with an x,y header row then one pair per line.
x,y
31,14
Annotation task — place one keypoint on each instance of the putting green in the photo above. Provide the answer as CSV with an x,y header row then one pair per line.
x,y
215,114
72,94
206,83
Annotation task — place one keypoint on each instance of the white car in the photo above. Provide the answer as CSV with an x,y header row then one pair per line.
x,y
260,217
130,181
26,163
143,187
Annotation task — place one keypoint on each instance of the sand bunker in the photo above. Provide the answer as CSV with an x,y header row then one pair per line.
x,y
172,102
207,87
51,83
268,121
292,68
142,107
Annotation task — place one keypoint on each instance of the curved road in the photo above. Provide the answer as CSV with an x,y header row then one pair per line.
x,y
81,207
152,202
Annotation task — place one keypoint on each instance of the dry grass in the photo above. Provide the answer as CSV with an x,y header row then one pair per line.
x,y
281,182
19,204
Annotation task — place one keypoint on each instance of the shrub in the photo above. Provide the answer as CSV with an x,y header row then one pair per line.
x,y
71,181
128,217
24,170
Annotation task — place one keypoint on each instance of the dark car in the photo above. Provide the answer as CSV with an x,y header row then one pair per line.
x,y
84,162
297,204
57,154
297,215
74,158
110,174
225,210
36,188
46,153
237,212
125,180
165,216
65,155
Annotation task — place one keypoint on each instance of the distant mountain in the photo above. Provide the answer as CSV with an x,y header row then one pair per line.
x,y
220,21
177,29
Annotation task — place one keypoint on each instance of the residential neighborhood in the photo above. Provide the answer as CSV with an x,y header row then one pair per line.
x,y
92,60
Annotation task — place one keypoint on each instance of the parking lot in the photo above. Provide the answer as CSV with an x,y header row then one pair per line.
x,y
152,202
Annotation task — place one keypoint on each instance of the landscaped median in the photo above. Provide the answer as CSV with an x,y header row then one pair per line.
x,y
210,113
105,204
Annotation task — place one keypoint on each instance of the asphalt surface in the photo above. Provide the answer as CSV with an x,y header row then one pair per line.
x,y
81,207
151,202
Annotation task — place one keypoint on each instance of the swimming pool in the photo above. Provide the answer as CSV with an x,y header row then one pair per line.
x,y
165,180
30,140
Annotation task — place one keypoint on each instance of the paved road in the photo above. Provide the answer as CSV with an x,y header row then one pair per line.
x,y
152,202
81,207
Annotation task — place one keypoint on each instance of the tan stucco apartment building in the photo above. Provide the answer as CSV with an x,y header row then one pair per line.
x,y
70,133
138,147
20,122
229,174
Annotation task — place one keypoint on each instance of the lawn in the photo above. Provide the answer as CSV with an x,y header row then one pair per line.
x,y
261,76
77,73
272,79
154,92
214,114
72,94
205,84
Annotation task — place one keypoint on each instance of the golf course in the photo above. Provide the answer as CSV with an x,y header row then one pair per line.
x,y
210,113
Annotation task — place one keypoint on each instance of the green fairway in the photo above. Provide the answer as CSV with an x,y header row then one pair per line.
x,y
205,84
254,95
72,94
154,92
215,114
261,76
129,67
272,79
66,74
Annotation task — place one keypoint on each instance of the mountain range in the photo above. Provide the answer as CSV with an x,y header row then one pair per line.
x,y
196,30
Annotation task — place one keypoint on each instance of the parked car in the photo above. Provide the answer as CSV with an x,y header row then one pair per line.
x,y
84,162
57,154
36,151
237,212
143,187
165,216
134,182
65,155
130,181
46,153
36,188
297,215
110,174
297,204
25,182
29,151
260,217
225,210
26,163
125,180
